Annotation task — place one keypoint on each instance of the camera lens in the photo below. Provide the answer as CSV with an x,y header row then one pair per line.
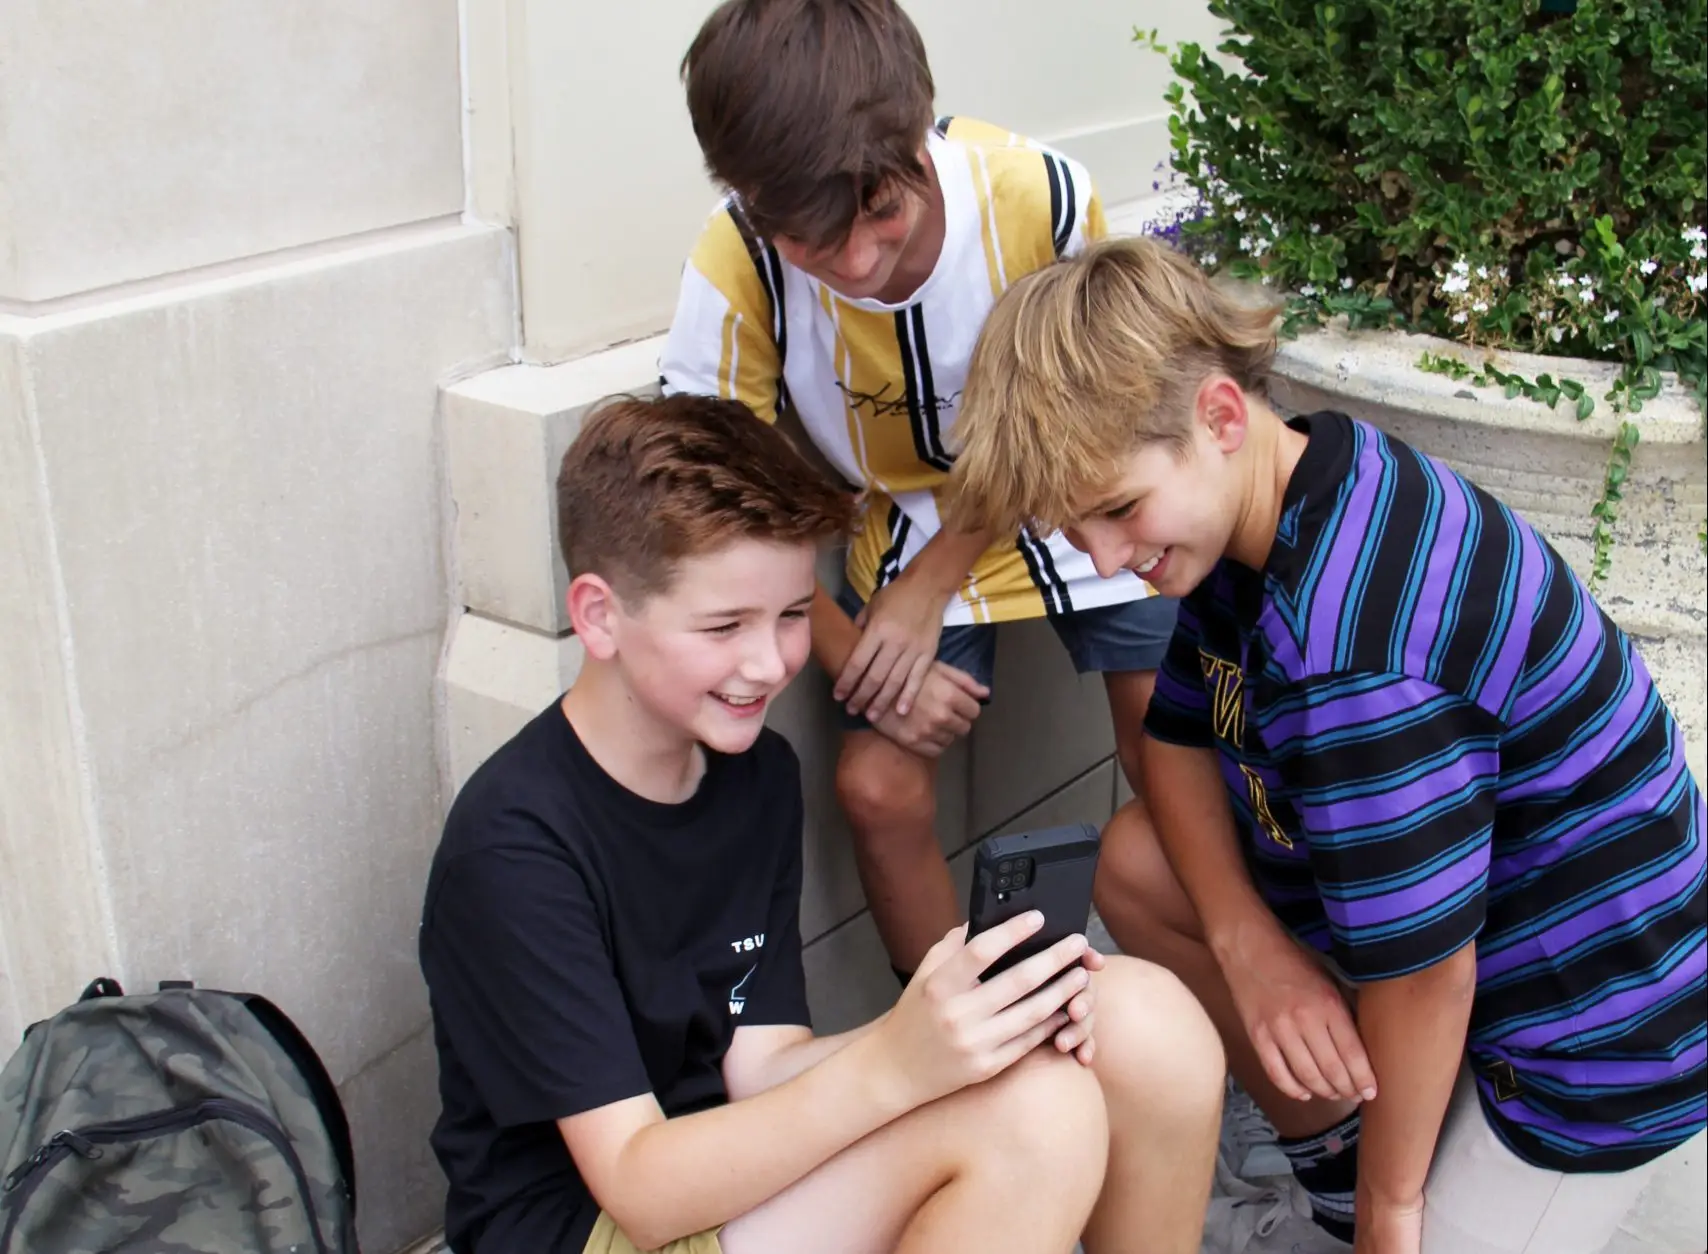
x,y
1004,868
1020,880
1002,882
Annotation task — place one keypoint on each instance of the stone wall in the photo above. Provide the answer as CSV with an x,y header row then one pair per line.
x,y
233,275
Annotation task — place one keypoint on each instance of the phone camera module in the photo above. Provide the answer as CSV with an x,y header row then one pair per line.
x,y
1002,882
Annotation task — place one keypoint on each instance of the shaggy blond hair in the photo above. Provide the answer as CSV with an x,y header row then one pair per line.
x,y
1083,362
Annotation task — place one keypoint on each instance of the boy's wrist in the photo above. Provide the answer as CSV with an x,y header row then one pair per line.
x,y
885,1075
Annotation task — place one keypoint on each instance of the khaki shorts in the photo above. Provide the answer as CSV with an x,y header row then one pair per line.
x,y
607,1238
1481,1198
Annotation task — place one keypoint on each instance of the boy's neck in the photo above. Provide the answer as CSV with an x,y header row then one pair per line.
x,y
629,744
925,246
1274,450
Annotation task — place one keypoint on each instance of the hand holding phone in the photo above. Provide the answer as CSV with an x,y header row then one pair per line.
x,y
951,1028
1050,871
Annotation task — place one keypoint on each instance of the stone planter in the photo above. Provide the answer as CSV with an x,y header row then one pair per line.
x,y
1549,467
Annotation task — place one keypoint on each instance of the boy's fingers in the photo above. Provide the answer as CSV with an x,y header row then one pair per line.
x,y
965,682
987,947
1020,1046
1300,1061
874,682
1275,1066
915,681
1351,1048
1327,1057
1039,972
854,669
1044,1005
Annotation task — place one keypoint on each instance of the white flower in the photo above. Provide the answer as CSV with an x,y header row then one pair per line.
x,y
1557,334
1233,197
1693,234
1346,284
1563,281
1461,267
1461,316
1649,266
1482,272
1697,282
1588,298
1585,282
1239,215
1315,229
1612,315
1209,259
1455,283
1310,289
1481,306
1699,250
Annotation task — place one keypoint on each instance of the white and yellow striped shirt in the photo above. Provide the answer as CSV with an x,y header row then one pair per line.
x,y
877,386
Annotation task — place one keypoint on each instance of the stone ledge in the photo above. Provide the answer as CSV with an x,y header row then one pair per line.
x,y
506,430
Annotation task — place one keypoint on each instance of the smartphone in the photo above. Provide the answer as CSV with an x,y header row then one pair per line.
x,y
1049,870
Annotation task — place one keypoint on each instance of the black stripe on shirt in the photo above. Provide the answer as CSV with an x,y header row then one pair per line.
x,y
921,404
1062,207
769,267
900,527
1042,567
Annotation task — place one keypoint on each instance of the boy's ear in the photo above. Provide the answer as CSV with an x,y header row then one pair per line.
x,y
1224,413
593,608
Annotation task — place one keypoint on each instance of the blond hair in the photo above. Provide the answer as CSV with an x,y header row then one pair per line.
x,y
1083,362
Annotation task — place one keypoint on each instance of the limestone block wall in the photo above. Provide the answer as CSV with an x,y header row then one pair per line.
x,y
1041,753
233,274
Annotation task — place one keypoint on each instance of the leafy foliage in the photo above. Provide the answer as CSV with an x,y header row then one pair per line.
x,y
1493,171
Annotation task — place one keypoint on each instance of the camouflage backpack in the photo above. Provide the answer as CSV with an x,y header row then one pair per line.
x,y
180,1122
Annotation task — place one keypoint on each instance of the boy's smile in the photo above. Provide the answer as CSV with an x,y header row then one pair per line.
x,y
704,657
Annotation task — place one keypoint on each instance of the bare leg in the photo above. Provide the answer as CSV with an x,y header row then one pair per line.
x,y
1161,1069
1129,698
1149,915
1011,1166
890,797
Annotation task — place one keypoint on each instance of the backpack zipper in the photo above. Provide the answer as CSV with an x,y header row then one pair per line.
x,y
86,1143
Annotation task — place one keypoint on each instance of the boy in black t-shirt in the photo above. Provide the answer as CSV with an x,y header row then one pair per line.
x,y
611,942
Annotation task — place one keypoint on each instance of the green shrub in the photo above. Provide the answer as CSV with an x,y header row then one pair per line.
x,y
1523,174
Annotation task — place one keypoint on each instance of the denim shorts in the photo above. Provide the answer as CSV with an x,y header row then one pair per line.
x,y
1109,639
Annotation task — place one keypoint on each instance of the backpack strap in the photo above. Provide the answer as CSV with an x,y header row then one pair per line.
x,y
102,986
325,1094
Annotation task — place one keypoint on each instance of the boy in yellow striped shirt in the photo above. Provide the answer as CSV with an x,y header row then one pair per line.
x,y
845,278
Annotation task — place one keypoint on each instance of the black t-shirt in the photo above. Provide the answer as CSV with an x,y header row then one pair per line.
x,y
583,945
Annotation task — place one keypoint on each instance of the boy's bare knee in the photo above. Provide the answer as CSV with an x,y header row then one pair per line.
x,y
1156,1046
1129,859
884,789
1046,1114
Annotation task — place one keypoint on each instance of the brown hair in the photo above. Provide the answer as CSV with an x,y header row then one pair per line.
x,y
1083,362
648,483
807,109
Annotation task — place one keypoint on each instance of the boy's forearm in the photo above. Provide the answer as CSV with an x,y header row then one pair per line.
x,y
1194,824
947,558
1414,1031
788,1063
725,1161
834,634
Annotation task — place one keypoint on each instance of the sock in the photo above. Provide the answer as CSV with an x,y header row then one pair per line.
x,y
904,976
1326,1166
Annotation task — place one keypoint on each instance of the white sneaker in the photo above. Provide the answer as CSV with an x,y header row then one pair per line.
x,y
1275,1219
1248,1140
